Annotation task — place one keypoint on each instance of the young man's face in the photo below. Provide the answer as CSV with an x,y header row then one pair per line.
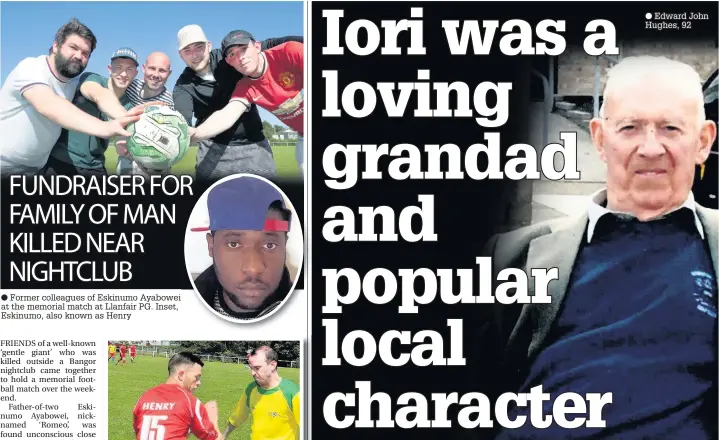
x,y
245,59
196,56
122,72
191,377
249,264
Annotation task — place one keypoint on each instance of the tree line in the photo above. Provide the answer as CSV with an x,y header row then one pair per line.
x,y
286,350
271,130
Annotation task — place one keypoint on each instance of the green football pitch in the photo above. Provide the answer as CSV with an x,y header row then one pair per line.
x,y
222,382
284,158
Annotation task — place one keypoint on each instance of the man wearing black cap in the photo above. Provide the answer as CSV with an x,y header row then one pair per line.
x,y
80,153
204,87
247,242
273,79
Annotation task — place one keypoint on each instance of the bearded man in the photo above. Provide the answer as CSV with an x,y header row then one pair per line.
x,y
35,103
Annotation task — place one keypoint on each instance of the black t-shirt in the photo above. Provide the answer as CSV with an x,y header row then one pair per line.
x,y
194,95
209,287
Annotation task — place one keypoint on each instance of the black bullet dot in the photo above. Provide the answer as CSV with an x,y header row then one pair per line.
x,y
4,297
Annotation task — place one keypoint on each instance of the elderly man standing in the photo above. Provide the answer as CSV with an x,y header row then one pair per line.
x,y
633,311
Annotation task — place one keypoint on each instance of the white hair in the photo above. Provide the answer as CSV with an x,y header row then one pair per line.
x,y
631,69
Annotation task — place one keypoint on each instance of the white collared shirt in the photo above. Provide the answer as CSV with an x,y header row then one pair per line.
x,y
596,210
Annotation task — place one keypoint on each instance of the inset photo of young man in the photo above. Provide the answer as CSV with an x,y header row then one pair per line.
x,y
244,248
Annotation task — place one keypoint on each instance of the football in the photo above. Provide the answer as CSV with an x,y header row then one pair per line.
x,y
159,138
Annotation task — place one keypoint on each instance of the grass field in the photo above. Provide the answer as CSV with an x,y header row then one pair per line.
x,y
284,158
222,382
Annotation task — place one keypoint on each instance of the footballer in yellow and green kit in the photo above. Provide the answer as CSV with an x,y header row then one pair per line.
x,y
275,412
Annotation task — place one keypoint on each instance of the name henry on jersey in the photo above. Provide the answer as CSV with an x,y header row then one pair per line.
x,y
158,406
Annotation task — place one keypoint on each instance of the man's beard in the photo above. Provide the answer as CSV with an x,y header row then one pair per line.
x,y
69,68
236,299
238,302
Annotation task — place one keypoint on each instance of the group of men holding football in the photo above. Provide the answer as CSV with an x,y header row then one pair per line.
x,y
56,119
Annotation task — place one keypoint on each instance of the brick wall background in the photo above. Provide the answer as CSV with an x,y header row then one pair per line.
x,y
575,69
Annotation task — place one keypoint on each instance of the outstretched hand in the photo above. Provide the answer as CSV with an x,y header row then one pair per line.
x,y
136,110
116,127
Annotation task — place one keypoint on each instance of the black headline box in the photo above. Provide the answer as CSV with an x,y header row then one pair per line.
x,y
158,260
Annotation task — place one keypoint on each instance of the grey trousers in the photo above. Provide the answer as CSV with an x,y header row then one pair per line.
x,y
215,161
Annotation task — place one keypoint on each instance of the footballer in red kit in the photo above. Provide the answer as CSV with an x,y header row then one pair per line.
x,y
170,411
133,352
123,355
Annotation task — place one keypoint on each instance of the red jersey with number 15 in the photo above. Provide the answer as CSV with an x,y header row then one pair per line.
x,y
170,412
280,90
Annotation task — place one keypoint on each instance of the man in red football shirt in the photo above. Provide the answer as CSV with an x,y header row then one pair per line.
x,y
273,79
132,353
123,355
170,411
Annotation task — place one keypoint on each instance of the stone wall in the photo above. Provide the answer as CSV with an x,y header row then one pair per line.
x,y
575,74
